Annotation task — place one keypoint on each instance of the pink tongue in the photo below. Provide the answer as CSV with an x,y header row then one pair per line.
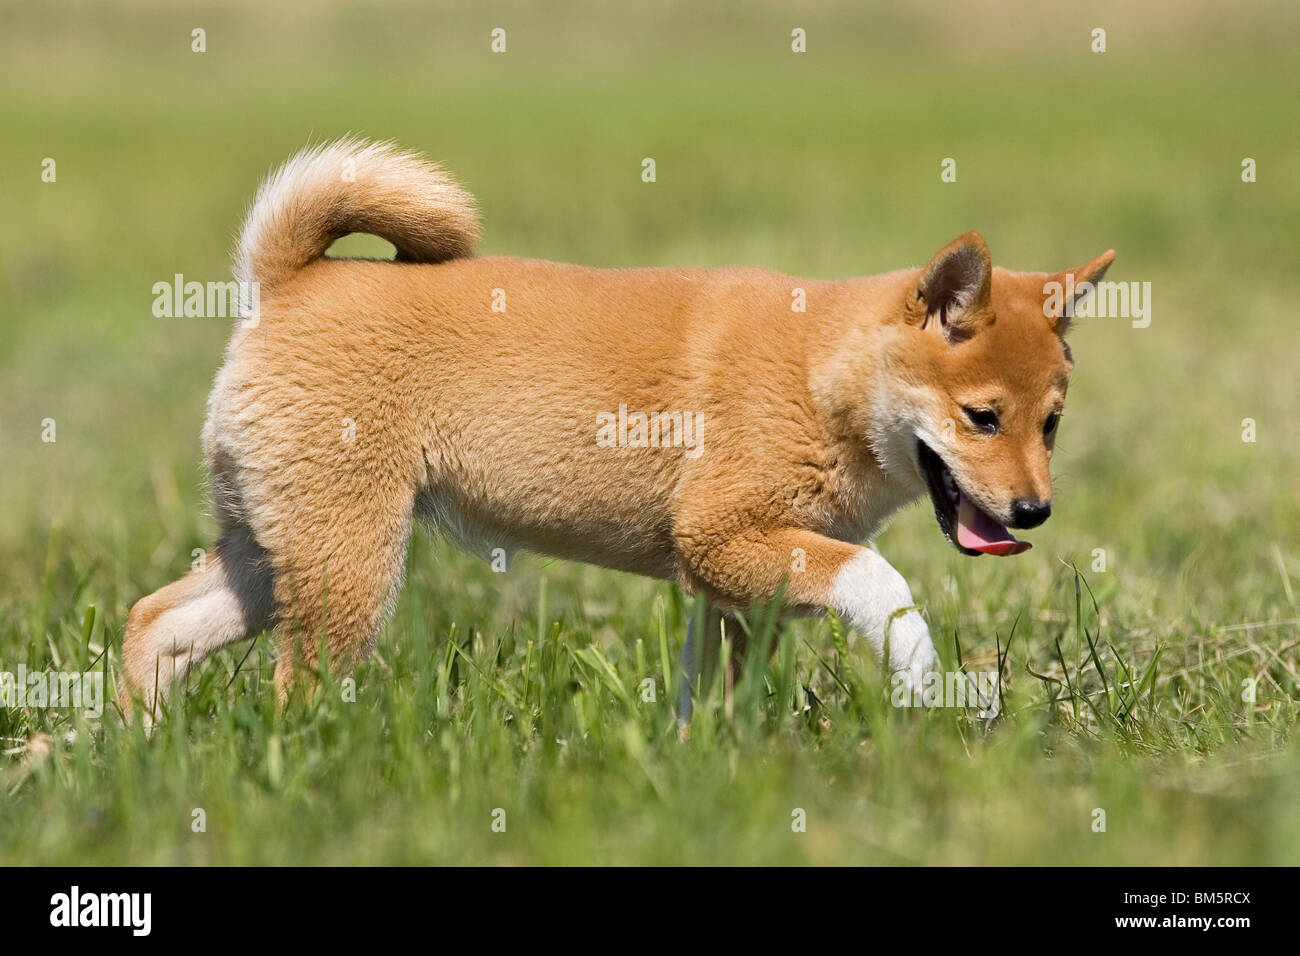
x,y
979,532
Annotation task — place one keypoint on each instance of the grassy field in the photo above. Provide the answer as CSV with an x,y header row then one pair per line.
x,y
1153,632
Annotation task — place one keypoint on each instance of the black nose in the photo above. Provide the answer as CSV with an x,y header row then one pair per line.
x,y
1027,513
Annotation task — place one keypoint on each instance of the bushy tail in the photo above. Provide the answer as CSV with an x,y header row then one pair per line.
x,y
328,191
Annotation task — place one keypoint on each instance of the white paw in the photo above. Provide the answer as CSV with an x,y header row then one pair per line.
x,y
910,647
911,653
872,594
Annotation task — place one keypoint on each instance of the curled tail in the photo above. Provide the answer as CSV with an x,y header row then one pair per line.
x,y
328,191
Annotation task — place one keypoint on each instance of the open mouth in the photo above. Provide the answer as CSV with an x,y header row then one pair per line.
x,y
969,528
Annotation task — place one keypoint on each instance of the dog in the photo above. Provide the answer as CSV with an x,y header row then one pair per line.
x,y
734,430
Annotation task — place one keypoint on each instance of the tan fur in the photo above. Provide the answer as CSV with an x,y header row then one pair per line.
x,y
484,422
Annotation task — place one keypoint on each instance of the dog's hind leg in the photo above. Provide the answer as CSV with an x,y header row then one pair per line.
x,y
227,598
336,581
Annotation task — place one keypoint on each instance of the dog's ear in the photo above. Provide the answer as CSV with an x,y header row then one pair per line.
x,y
952,295
1065,290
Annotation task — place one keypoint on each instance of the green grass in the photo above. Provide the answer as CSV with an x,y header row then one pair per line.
x,y
524,691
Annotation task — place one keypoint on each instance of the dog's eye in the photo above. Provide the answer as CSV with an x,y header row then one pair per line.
x,y
985,419
1049,426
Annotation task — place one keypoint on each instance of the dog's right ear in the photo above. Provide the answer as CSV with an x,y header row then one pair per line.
x,y
952,295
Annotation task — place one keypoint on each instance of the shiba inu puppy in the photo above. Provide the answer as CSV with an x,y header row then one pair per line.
x,y
523,404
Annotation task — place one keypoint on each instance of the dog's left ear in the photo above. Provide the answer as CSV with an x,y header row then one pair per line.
x,y
1065,290
952,294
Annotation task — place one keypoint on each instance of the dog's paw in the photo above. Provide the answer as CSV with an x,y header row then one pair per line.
x,y
912,657
910,646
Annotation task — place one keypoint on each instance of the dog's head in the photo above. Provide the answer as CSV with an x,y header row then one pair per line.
x,y
975,382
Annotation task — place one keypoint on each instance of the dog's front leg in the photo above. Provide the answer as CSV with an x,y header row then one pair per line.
x,y
876,600
704,632
818,573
